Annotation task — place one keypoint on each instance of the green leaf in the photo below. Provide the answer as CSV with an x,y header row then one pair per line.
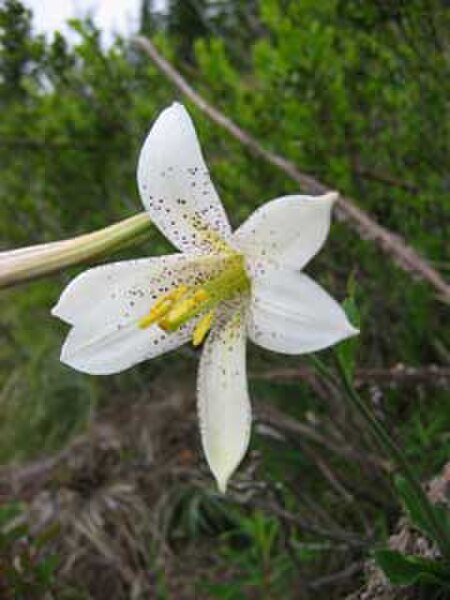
x,y
415,509
45,570
346,350
409,570
9,511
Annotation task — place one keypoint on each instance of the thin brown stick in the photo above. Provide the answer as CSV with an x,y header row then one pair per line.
x,y
338,577
280,421
305,525
327,471
392,244
385,179
430,375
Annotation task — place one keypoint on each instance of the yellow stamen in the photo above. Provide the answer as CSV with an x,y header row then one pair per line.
x,y
183,310
162,306
176,308
202,328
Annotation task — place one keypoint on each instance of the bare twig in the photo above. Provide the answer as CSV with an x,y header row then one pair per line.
x,y
429,375
273,417
392,244
305,525
327,472
385,179
338,577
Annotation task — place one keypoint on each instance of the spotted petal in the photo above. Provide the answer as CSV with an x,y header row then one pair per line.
x,y
105,305
176,187
223,402
292,314
286,232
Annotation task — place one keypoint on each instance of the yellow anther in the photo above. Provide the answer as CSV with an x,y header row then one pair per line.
x,y
202,328
162,306
184,310
200,296
155,314
176,308
178,292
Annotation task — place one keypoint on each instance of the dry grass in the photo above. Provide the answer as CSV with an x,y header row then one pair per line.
x,y
103,498
116,507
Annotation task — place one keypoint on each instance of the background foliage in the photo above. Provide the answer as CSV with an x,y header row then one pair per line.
x,y
356,93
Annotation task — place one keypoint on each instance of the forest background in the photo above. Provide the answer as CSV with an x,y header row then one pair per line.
x,y
103,477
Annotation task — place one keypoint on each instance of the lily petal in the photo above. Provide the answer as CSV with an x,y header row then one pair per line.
x,y
105,305
286,232
120,291
292,314
112,350
223,401
176,187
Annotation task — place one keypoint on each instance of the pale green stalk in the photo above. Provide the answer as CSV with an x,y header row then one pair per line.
x,y
24,264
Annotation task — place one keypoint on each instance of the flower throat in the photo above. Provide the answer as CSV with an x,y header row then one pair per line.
x,y
180,305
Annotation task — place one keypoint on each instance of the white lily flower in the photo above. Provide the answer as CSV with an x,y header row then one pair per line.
x,y
222,287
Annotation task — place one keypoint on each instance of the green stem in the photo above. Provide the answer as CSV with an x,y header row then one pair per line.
x,y
24,264
393,452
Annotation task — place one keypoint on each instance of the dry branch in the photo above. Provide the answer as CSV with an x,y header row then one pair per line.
x,y
281,422
430,375
385,179
392,244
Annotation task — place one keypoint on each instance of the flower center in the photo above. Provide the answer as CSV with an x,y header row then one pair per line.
x,y
179,306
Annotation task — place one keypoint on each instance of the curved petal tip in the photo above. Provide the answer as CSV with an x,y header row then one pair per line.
x,y
174,110
177,106
330,196
222,483
352,330
55,311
